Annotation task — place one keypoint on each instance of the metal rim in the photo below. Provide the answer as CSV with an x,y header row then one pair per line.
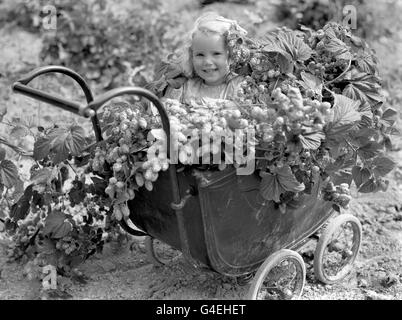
x,y
281,277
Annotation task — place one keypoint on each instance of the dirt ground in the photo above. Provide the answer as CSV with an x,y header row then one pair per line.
x,y
127,274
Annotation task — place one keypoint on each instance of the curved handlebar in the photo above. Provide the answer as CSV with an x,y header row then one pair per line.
x,y
59,69
21,86
103,98
54,100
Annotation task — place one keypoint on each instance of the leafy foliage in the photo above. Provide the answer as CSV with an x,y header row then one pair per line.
x,y
8,173
335,71
317,13
60,142
60,217
277,183
106,47
111,49
25,14
57,225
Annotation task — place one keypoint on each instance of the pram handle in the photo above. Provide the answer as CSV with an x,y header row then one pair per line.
x,y
21,86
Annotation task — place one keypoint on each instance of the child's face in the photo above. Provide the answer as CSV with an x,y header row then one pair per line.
x,y
210,58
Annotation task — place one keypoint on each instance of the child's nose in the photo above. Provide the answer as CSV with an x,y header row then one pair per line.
x,y
208,60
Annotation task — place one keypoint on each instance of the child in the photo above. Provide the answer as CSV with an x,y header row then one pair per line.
x,y
206,65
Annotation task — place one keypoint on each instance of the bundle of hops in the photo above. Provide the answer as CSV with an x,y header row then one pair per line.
x,y
124,153
135,146
206,130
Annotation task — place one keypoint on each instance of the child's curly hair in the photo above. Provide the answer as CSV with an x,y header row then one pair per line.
x,y
213,23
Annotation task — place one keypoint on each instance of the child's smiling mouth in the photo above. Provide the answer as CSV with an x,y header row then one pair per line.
x,y
209,71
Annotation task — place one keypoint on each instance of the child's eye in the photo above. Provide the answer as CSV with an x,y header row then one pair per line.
x,y
217,53
199,55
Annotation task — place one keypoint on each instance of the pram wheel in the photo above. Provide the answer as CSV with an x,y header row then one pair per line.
x,y
337,249
280,277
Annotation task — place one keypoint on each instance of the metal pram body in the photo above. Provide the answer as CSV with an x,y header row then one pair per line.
x,y
230,228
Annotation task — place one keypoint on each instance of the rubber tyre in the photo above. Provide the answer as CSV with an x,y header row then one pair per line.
x,y
271,262
326,237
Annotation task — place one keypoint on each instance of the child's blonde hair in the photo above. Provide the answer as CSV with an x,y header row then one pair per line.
x,y
208,23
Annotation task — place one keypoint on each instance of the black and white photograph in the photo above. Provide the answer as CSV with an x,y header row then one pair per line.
x,y
217,151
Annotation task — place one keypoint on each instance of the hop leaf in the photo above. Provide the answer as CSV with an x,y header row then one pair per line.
x,y
289,49
270,188
389,117
21,208
345,110
65,141
366,62
382,166
56,225
363,87
273,185
369,186
338,48
310,81
8,173
294,46
61,142
346,114
99,185
360,175
77,193
2,154
369,150
41,148
312,141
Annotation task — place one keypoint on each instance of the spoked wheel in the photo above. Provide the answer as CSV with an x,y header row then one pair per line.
x,y
158,252
337,249
280,277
